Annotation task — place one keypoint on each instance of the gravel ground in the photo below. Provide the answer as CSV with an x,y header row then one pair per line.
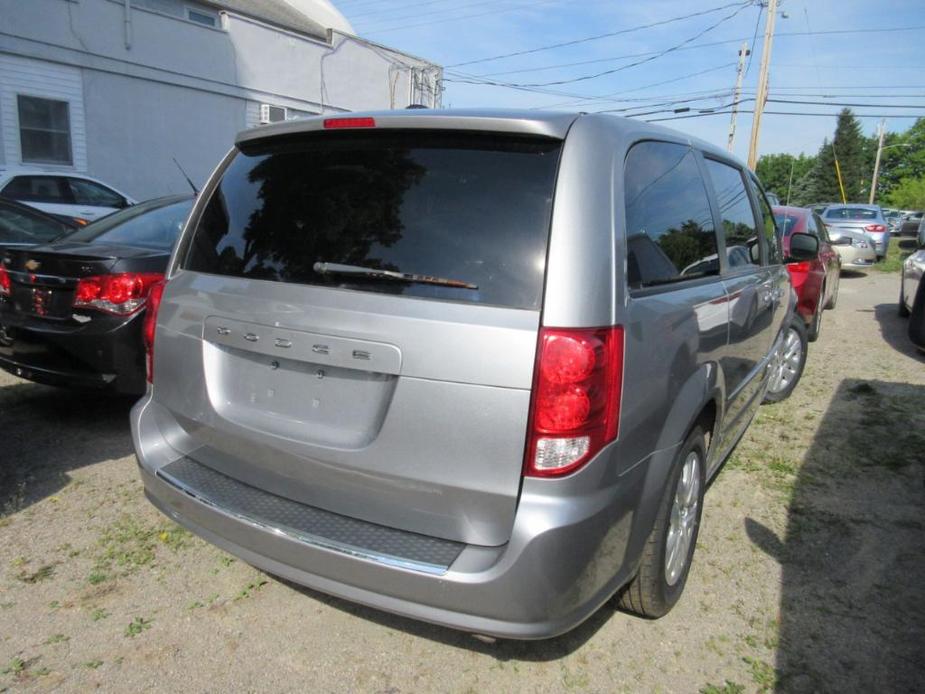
x,y
807,577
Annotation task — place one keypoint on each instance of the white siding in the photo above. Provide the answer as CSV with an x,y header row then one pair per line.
x,y
42,79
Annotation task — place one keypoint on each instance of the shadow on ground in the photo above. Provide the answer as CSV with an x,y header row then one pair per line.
x,y
502,650
852,613
46,432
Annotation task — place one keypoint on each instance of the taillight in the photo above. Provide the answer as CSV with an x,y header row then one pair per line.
x,y
121,294
575,408
875,227
802,266
149,324
5,283
333,123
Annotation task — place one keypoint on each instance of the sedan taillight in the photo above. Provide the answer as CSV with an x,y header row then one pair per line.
x,y
577,388
121,294
875,227
5,283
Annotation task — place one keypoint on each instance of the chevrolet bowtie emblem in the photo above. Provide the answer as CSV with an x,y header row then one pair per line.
x,y
32,265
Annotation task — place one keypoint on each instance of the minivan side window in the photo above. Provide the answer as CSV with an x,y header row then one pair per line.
x,y
742,243
670,235
775,254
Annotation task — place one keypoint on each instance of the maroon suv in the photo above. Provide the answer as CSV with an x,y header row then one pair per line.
x,y
815,281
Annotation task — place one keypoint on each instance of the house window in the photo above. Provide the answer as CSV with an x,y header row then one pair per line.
x,y
200,17
44,130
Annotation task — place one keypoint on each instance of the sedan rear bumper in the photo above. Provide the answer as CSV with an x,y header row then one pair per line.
x,y
573,545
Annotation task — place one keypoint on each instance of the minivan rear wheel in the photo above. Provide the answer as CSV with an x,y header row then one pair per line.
x,y
666,559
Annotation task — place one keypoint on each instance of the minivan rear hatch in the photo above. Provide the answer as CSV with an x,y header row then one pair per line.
x,y
352,323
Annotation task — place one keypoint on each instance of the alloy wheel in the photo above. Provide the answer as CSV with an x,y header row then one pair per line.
x,y
683,521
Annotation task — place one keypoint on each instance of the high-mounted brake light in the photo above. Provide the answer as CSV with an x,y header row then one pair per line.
x,y
5,282
575,407
121,294
149,325
875,227
333,123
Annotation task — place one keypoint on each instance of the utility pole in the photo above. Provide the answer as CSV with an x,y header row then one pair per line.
x,y
881,132
762,96
736,94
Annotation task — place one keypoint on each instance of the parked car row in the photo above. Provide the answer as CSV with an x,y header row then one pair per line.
x,y
434,362
912,289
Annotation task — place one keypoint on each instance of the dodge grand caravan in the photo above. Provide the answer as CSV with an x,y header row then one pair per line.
x,y
472,367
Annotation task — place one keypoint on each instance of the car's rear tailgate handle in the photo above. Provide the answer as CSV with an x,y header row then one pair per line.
x,y
315,348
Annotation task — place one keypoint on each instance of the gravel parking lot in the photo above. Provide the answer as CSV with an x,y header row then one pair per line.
x,y
808,574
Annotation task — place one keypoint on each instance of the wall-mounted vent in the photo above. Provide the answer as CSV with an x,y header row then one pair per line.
x,y
272,114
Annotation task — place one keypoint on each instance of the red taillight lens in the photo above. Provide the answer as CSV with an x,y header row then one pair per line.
x,y
5,283
149,324
875,227
576,398
801,267
333,123
121,294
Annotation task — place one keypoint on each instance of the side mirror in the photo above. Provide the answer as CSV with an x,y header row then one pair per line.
x,y
803,247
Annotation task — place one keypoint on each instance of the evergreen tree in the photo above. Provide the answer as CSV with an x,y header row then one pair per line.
x,y
853,152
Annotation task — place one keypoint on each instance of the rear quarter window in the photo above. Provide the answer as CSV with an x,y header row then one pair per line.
x,y
670,235
463,206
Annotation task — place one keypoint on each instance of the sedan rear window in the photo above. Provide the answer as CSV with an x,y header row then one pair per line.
x,y
786,223
469,207
155,224
852,213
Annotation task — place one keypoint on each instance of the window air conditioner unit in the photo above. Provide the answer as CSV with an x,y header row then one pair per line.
x,y
272,114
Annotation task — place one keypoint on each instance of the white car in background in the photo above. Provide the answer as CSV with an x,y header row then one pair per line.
x,y
62,194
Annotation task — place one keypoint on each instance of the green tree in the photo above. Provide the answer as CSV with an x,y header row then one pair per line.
x,y
774,171
903,157
908,194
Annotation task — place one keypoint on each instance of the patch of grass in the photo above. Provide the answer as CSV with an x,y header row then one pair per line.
x,y
250,588
15,667
762,674
42,574
98,614
130,545
726,688
96,577
93,664
895,255
56,638
136,626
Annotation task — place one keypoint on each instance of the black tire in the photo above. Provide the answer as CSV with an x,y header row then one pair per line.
x,y
903,310
917,317
777,395
833,300
812,332
649,594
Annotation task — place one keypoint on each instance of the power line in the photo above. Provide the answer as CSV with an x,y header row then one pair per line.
x,y
787,113
660,54
711,44
751,52
841,103
596,37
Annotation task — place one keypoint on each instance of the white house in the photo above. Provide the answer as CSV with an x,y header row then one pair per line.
x,y
118,88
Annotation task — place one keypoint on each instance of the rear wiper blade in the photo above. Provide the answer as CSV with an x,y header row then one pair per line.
x,y
338,269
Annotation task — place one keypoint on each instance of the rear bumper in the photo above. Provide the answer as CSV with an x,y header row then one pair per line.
x,y
110,358
575,542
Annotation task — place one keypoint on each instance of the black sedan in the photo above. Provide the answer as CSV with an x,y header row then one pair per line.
x,y
21,225
72,310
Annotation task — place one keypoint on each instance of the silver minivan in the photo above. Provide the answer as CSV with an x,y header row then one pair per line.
x,y
471,367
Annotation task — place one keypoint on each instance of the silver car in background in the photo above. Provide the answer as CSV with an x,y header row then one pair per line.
x,y
856,250
447,364
864,219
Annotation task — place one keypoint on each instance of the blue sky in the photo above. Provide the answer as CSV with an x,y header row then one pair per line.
x,y
882,68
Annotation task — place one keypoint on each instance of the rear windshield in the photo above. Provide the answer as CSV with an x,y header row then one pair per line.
x,y
18,226
155,225
852,213
786,223
469,207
